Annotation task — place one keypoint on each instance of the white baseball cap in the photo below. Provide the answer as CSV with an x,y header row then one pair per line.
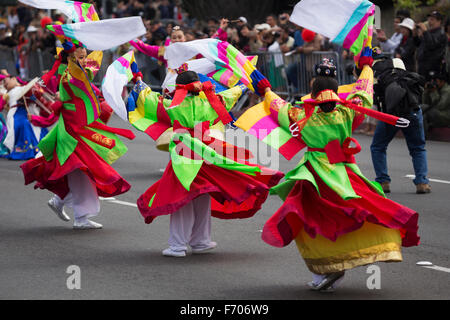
x,y
32,29
243,19
407,23
398,63
263,26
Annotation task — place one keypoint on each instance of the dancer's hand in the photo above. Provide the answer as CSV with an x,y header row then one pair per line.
x,y
402,123
294,129
224,24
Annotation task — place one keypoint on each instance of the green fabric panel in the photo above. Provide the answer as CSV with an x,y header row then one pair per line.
x,y
322,128
58,139
301,172
334,175
191,111
231,96
62,68
143,123
282,189
69,106
66,144
48,143
375,185
151,201
277,138
109,155
63,95
151,106
283,116
187,169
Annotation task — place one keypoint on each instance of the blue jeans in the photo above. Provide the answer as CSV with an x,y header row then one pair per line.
x,y
415,140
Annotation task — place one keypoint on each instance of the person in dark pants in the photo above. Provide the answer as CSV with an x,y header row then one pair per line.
x,y
399,92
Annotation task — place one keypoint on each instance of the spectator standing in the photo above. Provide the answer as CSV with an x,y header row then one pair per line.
x,y
312,42
407,48
13,18
272,21
437,102
399,92
166,10
285,40
447,53
389,45
432,42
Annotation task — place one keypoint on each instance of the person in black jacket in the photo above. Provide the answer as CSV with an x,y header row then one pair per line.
x,y
431,41
399,92
407,48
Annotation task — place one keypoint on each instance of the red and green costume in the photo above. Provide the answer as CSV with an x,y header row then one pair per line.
x,y
200,164
80,140
338,217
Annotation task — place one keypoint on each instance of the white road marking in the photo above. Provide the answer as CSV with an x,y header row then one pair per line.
x,y
439,268
430,265
411,176
113,200
424,263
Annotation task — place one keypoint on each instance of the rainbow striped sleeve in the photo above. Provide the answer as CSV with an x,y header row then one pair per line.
x,y
147,111
269,122
84,11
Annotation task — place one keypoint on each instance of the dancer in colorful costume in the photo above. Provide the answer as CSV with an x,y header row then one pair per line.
x,y
78,152
205,176
177,35
158,52
338,218
4,151
22,136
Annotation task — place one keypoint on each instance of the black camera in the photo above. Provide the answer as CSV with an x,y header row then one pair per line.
x,y
432,84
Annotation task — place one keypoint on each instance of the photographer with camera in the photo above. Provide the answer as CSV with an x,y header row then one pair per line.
x,y
399,92
436,101
431,43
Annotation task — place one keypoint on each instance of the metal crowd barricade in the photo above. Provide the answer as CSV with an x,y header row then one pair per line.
x,y
290,75
303,66
8,58
273,66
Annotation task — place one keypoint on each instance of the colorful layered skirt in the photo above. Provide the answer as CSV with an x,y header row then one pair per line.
x,y
333,234
97,146
233,194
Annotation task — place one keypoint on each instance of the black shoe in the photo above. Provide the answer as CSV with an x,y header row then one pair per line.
x,y
329,280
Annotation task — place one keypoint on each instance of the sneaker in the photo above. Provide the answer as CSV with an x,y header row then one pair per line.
x,y
328,281
422,188
313,286
386,187
172,253
212,245
86,225
59,211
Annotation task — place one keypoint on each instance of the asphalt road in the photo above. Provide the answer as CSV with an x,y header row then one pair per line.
x,y
124,261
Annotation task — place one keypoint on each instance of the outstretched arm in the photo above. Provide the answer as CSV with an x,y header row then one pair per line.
x,y
147,109
156,52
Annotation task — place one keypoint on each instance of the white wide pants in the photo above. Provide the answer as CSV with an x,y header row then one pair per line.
x,y
191,225
82,198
